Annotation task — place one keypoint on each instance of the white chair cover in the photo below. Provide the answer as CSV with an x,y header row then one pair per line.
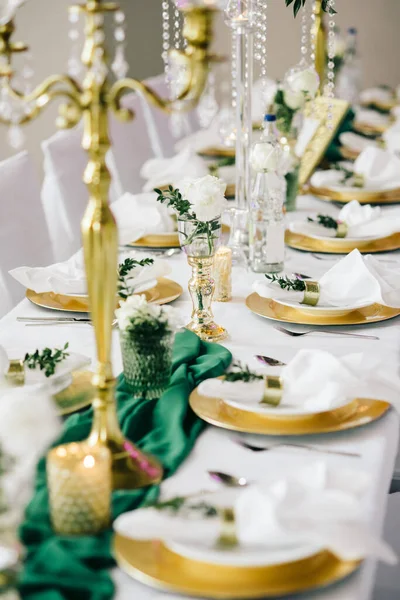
x,y
24,237
134,142
162,120
64,195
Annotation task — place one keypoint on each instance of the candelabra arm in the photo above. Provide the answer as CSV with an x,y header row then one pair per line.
x,y
55,86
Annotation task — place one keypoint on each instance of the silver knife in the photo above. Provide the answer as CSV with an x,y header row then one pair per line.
x,y
54,319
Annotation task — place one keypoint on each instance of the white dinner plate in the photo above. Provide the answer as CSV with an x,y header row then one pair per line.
x,y
284,410
318,232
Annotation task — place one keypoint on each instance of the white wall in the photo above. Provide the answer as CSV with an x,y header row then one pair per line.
x,y
44,25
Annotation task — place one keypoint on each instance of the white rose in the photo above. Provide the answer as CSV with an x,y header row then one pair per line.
x,y
306,81
294,100
265,157
206,195
339,46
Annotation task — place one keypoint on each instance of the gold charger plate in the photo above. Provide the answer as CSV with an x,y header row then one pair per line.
x,y
217,152
301,241
382,106
77,395
355,414
363,196
349,153
367,129
155,565
268,308
165,291
156,240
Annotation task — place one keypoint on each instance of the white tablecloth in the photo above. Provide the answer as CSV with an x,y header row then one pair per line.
x,y
250,335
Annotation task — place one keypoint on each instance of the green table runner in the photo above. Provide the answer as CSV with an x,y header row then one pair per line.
x,y
61,568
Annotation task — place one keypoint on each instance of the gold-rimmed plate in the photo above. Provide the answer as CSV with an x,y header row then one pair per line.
x,y
153,564
378,105
269,309
301,241
79,394
221,414
217,152
157,240
165,291
363,196
349,153
369,129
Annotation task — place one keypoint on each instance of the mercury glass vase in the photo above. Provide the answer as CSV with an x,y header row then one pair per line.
x,y
147,362
199,242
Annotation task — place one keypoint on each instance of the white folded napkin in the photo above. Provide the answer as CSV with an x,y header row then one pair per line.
x,y
306,134
356,142
376,94
202,139
362,221
380,169
317,505
69,277
313,381
352,282
371,117
73,362
160,172
140,214
315,508
391,138
327,179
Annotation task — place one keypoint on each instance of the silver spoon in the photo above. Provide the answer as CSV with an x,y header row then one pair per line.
x,y
228,480
324,331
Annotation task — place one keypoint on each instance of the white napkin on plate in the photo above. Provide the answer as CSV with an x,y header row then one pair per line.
x,y
376,94
160,172
319,505
362,221
352,282
69,277
356,142
204,138
380,169
374,118
327,179
140,214
316,507
73,362
391,138
313,381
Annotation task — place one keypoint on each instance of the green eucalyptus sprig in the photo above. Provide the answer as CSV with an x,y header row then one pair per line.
x,y
47,360
285,283
242,373
358,180
325,220
174,199
180,503
299,3
124,269
284,114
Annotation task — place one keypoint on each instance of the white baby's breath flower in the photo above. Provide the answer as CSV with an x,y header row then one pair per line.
x,y
206,195
265,157
305,81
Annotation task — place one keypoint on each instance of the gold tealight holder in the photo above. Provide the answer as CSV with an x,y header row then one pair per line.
x,y
79,483
222,274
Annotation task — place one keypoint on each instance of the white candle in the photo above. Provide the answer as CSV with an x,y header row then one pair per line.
x,y
79,482
222,273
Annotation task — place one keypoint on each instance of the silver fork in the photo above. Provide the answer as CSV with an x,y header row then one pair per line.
x,y
309,447
344,333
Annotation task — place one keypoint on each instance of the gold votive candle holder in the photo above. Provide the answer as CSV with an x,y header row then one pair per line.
x,y
79,484
222,274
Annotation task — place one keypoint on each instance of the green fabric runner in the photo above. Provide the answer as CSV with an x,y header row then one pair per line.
x,y
67,568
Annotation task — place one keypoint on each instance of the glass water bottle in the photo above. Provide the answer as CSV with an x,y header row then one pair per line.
x,y
267,229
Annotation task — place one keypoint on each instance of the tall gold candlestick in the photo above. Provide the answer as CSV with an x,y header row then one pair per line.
x,y
93,100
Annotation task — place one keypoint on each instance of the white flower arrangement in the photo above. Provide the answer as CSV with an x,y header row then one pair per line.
x,y
305,82
265,158
138,316
298,87
206,195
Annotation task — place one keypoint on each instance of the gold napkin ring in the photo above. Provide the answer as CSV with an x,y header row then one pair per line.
x,y
342,229
311,293
273,390
16,372
227,537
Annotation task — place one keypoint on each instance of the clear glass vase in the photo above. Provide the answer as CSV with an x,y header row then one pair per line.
x,y
200,243
147,362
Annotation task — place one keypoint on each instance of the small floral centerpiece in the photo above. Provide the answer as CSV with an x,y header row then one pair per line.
x,y
147,333
199,204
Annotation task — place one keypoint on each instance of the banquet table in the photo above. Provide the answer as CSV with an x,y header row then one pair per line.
x,y
249,335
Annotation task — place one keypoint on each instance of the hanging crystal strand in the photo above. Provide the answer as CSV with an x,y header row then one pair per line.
x,y
260,49
119,65
165,38
304,36
330,85
74,68
207,107
99,67
179,121
313,38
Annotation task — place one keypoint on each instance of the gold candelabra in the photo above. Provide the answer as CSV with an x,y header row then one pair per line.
x,y
91,101
320,43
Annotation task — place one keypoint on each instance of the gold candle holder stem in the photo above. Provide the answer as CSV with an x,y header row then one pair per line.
x,y
320,43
